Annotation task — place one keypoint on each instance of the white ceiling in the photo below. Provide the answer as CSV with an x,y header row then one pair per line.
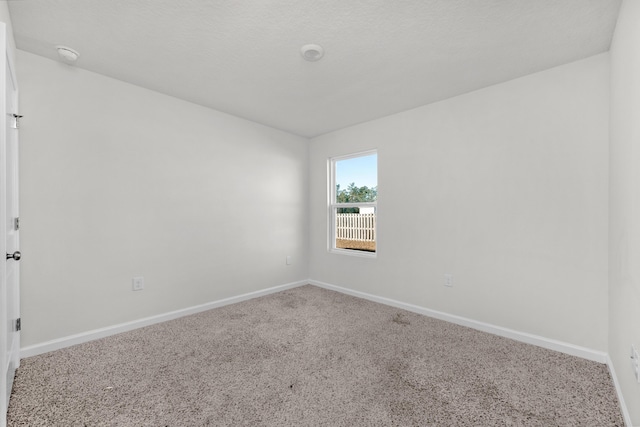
x,y
381,56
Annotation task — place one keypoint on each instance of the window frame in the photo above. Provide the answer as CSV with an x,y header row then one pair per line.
x,y
332,206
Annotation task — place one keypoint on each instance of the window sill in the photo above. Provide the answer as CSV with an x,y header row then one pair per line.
x,y
351,252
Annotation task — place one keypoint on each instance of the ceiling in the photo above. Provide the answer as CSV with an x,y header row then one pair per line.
x,y
381,56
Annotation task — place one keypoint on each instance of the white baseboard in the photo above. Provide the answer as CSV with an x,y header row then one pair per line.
x,y
623,405
95,334
586,353
551,344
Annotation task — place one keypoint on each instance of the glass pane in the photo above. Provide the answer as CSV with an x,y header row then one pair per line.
x,y
357,179
356,229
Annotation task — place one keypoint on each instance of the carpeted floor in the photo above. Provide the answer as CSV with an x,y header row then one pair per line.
x,y
310,357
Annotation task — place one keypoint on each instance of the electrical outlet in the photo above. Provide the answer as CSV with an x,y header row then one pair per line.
x,y
448,280
137,283
635,362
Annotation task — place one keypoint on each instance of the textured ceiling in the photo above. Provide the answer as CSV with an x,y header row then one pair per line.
x,y
381,56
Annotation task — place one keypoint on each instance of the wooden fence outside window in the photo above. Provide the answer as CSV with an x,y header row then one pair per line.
x,y
357,227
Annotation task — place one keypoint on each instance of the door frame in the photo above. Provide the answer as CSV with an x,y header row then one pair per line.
x,y
9,362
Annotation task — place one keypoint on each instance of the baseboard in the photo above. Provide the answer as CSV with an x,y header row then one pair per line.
x,y
551,344
573,350
68,341
623,405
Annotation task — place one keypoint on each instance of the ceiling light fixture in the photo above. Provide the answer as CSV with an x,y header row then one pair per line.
x,y
312,52
67,54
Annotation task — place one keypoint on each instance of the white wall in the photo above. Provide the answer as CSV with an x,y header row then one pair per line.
x,y
5,17
624,272
118,181
505,188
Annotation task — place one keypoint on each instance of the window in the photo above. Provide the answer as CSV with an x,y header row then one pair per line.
x,y
353,195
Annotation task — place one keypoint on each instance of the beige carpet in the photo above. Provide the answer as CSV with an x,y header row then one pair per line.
x,y
310,357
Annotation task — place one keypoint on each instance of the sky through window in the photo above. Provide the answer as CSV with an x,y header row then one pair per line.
x,y
362,171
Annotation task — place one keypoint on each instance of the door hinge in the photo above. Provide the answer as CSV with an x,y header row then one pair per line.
x,y
16,224
16,121
18,325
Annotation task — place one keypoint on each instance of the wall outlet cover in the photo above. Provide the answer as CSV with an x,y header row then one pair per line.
x,y
448,280
635,362
137,283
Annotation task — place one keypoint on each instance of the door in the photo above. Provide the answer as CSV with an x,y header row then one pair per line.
x,y
9,228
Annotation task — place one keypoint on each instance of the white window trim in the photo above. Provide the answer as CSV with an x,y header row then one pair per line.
x,y
332,206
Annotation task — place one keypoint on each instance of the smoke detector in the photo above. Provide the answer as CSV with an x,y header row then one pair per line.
x,y
67,54
312,52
